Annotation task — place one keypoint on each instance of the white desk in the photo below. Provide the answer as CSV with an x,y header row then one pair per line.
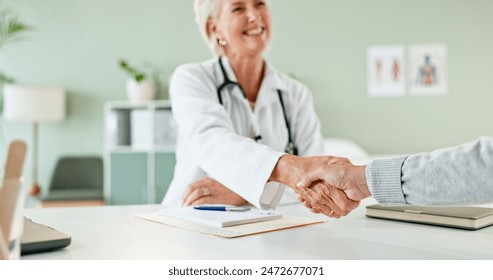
x,y
111,232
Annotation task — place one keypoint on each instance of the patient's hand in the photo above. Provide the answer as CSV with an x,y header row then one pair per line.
x,y
210,191
347,177
331,201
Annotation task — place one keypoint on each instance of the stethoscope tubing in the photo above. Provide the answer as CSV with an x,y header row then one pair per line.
x,y
290,148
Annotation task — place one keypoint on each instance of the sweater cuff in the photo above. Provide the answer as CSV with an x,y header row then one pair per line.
x,y
384,180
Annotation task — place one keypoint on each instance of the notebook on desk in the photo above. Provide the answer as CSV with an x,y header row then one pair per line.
x,y
471,218
37,238
286,222
218,218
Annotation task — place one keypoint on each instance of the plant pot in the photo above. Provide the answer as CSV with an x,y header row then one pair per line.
x,y
141,91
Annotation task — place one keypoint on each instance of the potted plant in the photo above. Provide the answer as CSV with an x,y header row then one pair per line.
x,y
10,29
139,86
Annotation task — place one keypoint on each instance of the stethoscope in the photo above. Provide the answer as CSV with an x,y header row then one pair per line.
x,y
290,147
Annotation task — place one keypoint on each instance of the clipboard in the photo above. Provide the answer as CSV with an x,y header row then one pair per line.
x,y
286,222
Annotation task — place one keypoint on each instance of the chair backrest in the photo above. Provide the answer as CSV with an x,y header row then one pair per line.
x,y
78,172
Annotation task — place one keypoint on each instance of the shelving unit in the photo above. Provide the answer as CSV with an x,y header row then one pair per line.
x,y
139,153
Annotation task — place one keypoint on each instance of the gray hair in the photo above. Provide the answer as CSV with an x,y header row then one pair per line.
x,y
205,10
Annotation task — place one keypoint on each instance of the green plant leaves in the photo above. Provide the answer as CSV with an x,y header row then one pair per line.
x,y
132,71
10,27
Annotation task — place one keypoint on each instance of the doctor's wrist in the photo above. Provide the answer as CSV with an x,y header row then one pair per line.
x,y
287,170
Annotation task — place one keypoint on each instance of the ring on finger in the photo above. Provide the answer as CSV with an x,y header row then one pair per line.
x,y
206,191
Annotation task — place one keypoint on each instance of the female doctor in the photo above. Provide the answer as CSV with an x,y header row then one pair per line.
x,y
237,115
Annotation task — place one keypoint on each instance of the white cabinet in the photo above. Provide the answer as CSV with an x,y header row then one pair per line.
x,y
140,141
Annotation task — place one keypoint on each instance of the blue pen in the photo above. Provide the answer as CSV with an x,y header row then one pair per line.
x,y
222,208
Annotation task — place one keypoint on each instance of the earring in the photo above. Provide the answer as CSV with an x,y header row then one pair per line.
x,y
222,42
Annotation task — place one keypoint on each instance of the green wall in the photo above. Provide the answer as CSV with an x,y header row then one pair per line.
x,y
76,45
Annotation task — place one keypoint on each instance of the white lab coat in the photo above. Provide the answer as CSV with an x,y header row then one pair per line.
x,y
214,139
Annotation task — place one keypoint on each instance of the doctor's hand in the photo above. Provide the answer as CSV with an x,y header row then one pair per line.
x,y
291,169
347,177
320,198
210,191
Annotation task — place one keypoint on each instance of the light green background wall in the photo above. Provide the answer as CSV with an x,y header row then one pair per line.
x,y
76,45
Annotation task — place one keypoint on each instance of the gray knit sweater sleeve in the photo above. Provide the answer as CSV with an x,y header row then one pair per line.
x,y
455,176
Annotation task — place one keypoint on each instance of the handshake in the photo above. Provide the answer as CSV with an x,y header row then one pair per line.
x,y
329,185
325,184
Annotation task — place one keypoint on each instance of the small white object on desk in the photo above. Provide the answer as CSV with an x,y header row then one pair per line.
x,y
217,218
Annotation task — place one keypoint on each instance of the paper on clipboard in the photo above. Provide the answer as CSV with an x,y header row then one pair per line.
x,y
218,218
286,222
